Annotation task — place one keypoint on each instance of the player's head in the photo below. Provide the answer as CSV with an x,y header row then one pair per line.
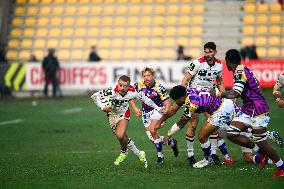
x,y
148,75
233,58
123,84
178,94
210,51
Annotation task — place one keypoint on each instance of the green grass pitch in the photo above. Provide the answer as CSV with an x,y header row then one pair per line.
x,y
68,144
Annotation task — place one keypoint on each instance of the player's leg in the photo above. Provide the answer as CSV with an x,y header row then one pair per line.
x,y
203,136
157,142
120,133
190,133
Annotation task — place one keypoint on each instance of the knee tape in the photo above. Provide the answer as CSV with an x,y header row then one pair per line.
x,y
259,137
233,130
150,136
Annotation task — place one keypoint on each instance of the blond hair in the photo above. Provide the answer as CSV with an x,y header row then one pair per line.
x,y
147,69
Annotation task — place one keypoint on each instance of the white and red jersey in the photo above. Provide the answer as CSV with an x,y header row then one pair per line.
x,y
120,104
204,75
279,85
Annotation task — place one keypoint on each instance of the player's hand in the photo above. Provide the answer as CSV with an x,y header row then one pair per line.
x,y
107,109
279,102
137,112
212,92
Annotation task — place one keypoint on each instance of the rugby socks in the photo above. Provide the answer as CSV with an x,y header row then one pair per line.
x,y
131,146
159,146
170,142
280,164
190,143
206,148
222,147
214,143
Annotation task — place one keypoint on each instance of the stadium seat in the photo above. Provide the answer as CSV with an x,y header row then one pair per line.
x,y
104,53
107,20
119,20
275,29
249,8
275,8
65,43
71,1
34,1
78,43
157,31
24,55
84,1
262,18
30,21
144,31
68,21
57,10
185,9
275,18
184,20
261,52
262,8
169,53
67,32
122,10
170,31
134,10
77,54
195,42
43,21
12,55
29,32
260,41
13,43
159,9
249,19
248,30
169,42
70,10
194,52
183,31
274,40
145,20
93,32
83,10
117,43
94,21
143,54
197,20
16,32
17,21
131,31
158,20
104,42
59,1
118,32
106,32
41,32
130,42
143,42
261,29
115,54
19,11
183,41
80,32
247,41
55,21
39,43
129,54
45,10
81,21
108,10
199,8
26,43
173,9
273,52
156,42
146,9
196,30
55,32
21,1
46,2
172,20
39,54
64,55
52,43
155,53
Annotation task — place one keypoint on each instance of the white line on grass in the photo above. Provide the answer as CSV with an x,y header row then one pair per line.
x,y
14,121
72,110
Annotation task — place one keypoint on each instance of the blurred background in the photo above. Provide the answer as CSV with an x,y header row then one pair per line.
x,y
123,32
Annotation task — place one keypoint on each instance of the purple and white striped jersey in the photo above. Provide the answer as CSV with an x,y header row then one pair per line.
x,y
246,84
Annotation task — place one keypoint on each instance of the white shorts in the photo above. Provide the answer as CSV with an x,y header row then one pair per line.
x,y
255,122
223,115
114,118
147,117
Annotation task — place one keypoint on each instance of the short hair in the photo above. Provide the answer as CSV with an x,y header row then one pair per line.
x,y
177,92
147,69
233,56
124,78
210,45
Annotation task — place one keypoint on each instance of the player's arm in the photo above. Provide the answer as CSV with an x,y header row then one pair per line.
x,y
186,78
172,111
135,108
100,99
220,83
190,72
147,101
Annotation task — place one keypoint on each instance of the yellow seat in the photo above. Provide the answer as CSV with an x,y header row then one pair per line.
x,y
70,10
249,8
64,55
34,1
129,54
261,19
194,52
43,21
170,31
45,10
134,9
262,8
173,9
107,20
261,29
93,32
182,41
275,8
46,2
106,32
71,1
157,31
274,40
249,19
122,10
104,42
197,20
198,8
57,10
24,55
17,21
13,43
184,20
52,43
21,1
142,54
132,31
261,52
169,54
155,53
145,20
275,18
20,11
81,21
169,42
115,54
83,10
77,55
12,55
196,30
94,21
55,21
16,32
29,32
84,1
159,9
65,43
39,43
247,41
158,20
68,21
273,52
108,10
260,41
198,1
130,42
185,9
146,9
248,30
55,32
144,31
117,43
67,32
171,20
195,42
27,43
59,1
119,20
41,32
104,53
118,31
183,31
78,43
80,32
275,29
143,42
156,42
30,21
